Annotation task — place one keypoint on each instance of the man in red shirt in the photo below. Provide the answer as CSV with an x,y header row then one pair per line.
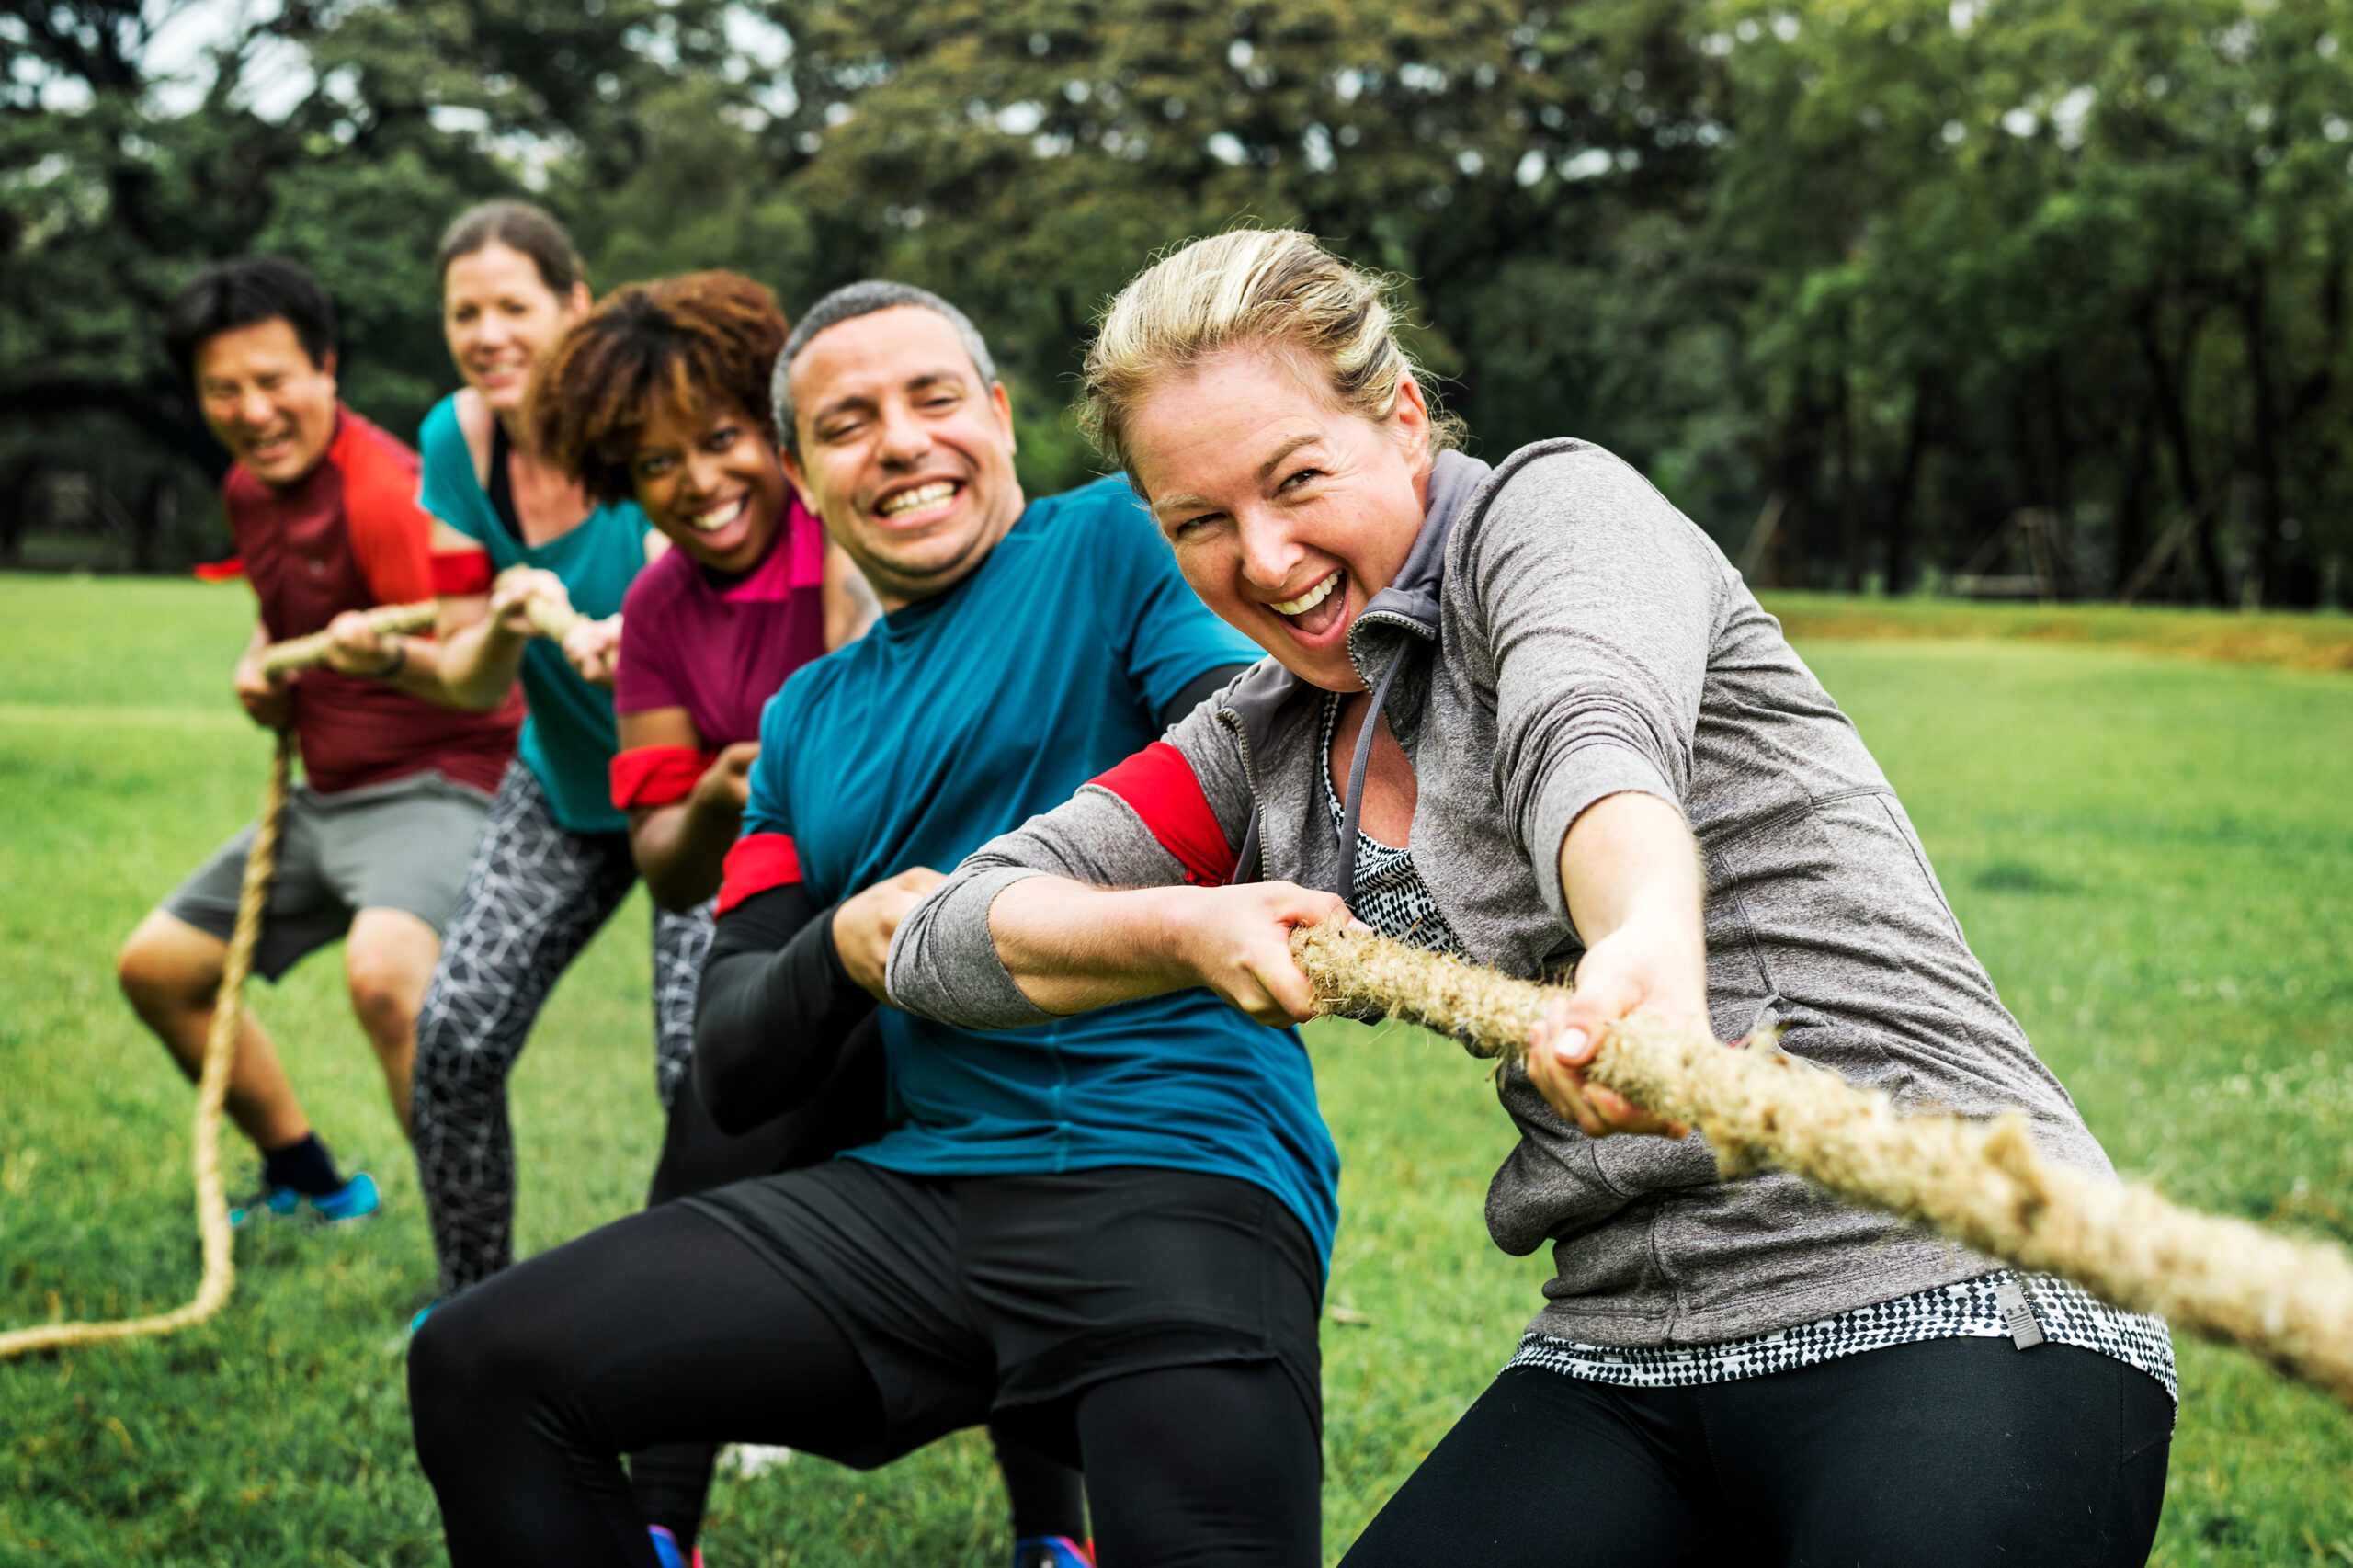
x,y
377,837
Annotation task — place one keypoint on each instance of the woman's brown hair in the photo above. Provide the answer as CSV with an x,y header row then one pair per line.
x,y
685,341
519,226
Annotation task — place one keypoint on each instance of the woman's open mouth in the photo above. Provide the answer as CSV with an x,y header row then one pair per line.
x,y
1320,608
720,515
501,375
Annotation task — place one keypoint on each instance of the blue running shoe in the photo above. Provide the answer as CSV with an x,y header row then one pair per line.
x,y
354,1199
1053,1551
270,1204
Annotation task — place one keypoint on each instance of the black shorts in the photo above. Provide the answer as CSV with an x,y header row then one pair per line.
x,y
972,1299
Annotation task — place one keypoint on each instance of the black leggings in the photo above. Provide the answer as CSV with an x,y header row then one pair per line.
x,y
525,1391
1953,1452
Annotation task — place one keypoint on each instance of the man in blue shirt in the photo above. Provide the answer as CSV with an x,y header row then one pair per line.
x,y
1106,1235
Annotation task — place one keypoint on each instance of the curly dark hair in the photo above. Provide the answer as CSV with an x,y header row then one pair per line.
x,y
686,340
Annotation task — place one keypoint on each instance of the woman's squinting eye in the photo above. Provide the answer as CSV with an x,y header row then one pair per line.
x,y
719,441
1296,480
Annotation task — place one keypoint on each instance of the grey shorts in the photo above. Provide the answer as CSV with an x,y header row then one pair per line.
x,y
405,844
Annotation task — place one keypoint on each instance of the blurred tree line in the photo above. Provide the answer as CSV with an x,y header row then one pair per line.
x,y
2038,296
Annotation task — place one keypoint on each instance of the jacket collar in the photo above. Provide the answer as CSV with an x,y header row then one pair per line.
x,y
1412,599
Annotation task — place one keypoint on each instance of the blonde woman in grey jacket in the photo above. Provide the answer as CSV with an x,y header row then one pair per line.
x,y
1529,714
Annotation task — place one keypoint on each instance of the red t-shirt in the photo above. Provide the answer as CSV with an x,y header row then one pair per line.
x,y
349,535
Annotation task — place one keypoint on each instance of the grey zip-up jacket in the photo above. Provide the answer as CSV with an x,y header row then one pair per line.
x,y
1566,634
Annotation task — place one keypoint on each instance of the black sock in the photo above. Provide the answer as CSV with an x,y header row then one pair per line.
x,y
304,1165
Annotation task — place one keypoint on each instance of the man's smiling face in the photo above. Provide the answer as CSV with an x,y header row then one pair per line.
x,y
904,453
266,401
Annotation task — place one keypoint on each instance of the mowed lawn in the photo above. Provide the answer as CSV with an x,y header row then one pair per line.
x,y
2152,855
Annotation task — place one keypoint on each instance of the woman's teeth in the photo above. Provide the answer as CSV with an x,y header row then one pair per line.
x,y
718,517
1310,599
915,500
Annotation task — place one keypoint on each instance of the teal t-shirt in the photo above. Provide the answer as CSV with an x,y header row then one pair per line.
x,y
957,719
569,739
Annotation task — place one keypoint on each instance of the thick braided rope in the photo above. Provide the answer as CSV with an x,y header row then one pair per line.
x,y
302,652
1983,1183
548,620
213,1087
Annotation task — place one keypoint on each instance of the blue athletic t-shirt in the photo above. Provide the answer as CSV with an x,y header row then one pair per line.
x,y
569,739
957,719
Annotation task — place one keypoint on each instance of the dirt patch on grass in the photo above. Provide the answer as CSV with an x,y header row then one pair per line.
x,y
2322,642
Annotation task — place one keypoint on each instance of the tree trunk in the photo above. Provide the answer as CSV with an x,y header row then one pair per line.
x,y
15,508
1850,541
2059,509
1796,470
2166,393
2270,507
150,524
1896,536
2132,541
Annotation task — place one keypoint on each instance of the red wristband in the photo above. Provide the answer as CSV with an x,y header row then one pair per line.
x,y
759,861
461,572
656,776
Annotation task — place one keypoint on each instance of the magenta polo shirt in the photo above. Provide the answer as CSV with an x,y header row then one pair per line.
x,y
720,651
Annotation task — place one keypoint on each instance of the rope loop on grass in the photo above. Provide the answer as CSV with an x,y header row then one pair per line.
x,y
213,1087
1983,1183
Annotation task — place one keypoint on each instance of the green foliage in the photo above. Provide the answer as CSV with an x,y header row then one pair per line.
x,y
1891,271
2151,855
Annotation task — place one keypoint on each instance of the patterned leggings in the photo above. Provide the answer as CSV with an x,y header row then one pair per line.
x,y
533,896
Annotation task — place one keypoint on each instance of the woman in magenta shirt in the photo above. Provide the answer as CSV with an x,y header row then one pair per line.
x,y
662,396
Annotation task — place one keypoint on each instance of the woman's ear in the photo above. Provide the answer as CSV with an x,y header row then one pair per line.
x,y
1409,420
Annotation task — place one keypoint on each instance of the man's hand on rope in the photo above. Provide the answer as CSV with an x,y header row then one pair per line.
x,y
356,648
267,699
593,650
863,924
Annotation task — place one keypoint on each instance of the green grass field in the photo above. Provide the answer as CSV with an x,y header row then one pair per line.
x,y
2152,855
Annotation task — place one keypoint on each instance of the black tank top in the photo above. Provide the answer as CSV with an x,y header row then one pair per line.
x,y
502,483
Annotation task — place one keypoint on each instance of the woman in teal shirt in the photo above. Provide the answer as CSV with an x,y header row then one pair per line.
x,y
554,861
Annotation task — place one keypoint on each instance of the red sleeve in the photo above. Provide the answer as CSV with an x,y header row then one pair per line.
x,y
391,535
459,573
759,861
656,776
1158,785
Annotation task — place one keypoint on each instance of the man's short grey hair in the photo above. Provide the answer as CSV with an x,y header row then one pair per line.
x,y
848,303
